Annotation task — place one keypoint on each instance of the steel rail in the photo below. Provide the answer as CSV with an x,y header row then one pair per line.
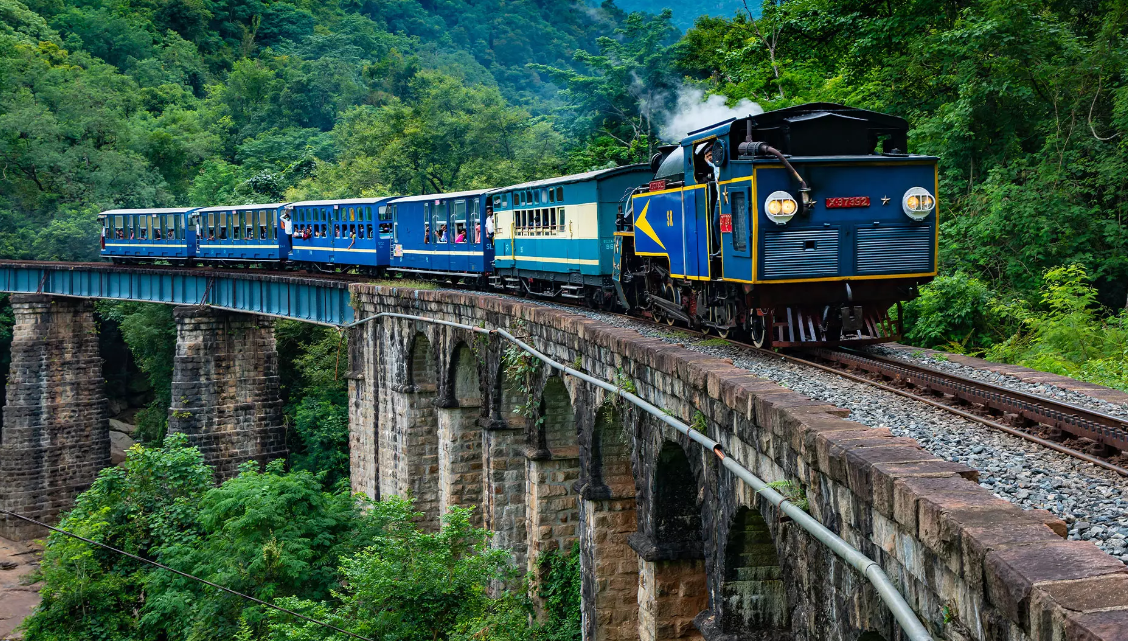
x,y
968,415
1079,421
911,625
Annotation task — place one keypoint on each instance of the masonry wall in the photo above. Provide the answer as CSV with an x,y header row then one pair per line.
x,y
716,561
55,435
225,394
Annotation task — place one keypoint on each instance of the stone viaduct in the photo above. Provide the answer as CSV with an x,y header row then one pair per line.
x,y
672,545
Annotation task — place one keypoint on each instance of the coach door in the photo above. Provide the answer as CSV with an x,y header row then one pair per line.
x,y
736,208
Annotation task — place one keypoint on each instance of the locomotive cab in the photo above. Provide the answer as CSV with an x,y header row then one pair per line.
x,y
801,226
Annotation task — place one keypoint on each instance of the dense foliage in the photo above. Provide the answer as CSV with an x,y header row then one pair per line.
x,y
276,536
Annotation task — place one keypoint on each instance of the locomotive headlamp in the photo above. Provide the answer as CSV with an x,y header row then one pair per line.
x,y
918,203
780,207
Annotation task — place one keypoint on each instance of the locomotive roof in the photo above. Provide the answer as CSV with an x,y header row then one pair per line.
x,y
342,201
456,194
814,129
254,206
154,210
575,178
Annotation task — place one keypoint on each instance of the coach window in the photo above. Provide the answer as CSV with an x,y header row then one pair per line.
x,y
559,194
171,226
474,233
560,218
551,195
222,231
442,233
458,222
544,195
395,224
552,219
144,220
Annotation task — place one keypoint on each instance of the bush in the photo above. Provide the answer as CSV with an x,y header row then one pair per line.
x,y
1072,335
957,313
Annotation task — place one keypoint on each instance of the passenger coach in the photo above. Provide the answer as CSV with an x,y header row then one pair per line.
x,y
146,235
442,235
241,233
354,231
556,236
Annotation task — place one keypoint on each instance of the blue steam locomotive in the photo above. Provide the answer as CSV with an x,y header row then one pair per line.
x,y
799,226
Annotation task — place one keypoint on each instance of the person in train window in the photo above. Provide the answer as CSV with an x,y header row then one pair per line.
x,y
262,232
460,235
489,225
713,197
352,236
360,231
368,228
171,235
156,233
426,233
443,233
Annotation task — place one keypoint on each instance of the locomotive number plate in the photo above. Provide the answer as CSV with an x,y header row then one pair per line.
x,y
726,223
842,202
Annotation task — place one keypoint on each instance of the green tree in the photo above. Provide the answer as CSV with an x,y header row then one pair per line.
x,y
627,85
92,594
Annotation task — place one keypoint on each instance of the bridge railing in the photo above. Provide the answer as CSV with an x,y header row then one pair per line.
x,y
320,301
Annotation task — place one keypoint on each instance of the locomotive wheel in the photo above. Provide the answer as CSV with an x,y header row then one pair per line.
x,y
758,330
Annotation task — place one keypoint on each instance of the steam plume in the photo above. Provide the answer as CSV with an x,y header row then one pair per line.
x,y
695,111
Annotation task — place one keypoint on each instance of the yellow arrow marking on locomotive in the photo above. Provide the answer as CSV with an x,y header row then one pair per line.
x,y
644,225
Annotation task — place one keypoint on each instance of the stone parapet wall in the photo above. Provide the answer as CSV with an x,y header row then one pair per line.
x,y
973,566
55,435
225,394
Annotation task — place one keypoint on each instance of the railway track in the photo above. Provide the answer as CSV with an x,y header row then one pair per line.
x,y
1086,434
1091,436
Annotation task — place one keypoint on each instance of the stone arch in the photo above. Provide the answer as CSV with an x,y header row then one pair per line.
x,y
609,567
676,514
673,585
421,368
464,376
460,436
753,595
507,399
611,469
558,421
551,498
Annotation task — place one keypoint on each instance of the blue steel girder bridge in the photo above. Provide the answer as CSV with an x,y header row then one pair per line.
x,y
321,298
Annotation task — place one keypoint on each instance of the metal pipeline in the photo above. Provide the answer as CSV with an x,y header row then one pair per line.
x,y
902,612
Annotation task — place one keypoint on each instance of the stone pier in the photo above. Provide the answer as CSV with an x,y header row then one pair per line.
x,y
55,435
225,394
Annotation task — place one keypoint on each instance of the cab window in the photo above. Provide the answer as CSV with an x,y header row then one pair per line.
x,y
559,194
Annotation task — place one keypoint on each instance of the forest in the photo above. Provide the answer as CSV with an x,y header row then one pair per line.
x,y
131,103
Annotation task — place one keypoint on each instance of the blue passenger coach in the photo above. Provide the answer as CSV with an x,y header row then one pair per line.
x,y
144,235
441,234
354,231
560,232
241,233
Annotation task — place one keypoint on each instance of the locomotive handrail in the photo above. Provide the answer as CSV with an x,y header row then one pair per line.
x,y
912,626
